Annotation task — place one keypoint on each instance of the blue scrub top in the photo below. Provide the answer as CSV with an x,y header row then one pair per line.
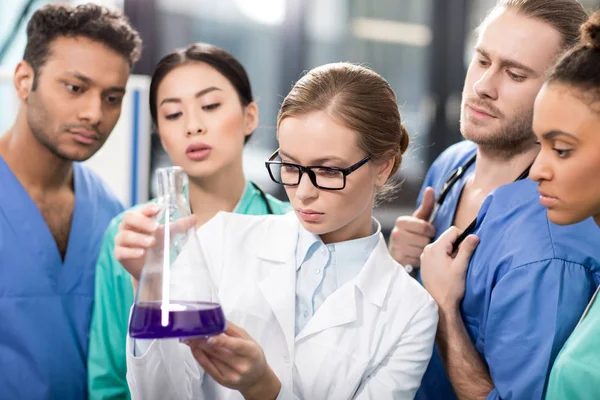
x,y
45,302
527,285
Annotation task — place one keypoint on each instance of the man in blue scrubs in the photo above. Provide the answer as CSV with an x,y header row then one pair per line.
x,y
54,210
504,319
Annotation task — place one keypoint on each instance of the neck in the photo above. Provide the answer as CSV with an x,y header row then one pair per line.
x,y
34,165
493,170
597,220
219,192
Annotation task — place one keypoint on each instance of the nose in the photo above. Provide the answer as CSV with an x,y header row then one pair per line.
x,y
92,112
194,124
541,169
485,87
306,190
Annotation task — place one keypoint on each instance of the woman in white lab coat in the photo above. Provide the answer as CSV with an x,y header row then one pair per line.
x,y
317,308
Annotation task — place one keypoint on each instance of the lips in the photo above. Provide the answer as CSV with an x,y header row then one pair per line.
x,y
481,111
84,136
309,215
197,147
198,151
546,200
309,212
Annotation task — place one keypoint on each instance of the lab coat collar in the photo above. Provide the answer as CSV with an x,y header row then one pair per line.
x,y
278,282
284,233
373,281
375,277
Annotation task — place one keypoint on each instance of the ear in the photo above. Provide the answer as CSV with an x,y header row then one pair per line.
x,y
23,80
383,170
250,118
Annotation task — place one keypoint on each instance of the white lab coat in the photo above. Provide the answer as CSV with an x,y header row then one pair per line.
x,y
371,339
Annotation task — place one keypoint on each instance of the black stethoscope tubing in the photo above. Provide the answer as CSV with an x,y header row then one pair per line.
x,y
450,182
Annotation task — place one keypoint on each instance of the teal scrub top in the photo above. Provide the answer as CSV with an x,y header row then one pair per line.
x,y
576,372
114,297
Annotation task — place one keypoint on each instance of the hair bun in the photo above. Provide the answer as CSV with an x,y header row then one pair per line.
x,y
590,31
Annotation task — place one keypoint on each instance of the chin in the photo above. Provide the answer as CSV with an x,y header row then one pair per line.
x,y
317,227
77,156
198,169
559,217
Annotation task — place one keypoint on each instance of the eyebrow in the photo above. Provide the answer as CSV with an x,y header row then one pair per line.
x,y
556,133
316,162
506,63
89,81
197,95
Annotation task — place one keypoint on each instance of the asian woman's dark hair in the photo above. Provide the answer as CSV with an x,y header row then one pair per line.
x,y
219,59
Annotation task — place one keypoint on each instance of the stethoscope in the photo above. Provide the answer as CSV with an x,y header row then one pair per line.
x,y
262,195
454,177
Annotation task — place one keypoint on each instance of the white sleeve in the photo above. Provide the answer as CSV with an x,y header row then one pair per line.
x,y
167,370
286,394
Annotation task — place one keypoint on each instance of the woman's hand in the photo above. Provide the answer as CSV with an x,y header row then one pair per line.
x,y
236,361
138,233
135,236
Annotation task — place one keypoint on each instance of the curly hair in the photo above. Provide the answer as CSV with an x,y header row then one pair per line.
x,y
580,67
92,21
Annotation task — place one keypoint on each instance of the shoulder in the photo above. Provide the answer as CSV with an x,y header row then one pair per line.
x,y
253,202
414,295
278,206
405,294
98,190
454,156
246,227
514,225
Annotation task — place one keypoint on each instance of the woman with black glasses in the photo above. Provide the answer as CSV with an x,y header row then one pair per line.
x,y
317,307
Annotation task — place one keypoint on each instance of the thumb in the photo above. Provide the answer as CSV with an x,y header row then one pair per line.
x,y
236,331
466,250
426,207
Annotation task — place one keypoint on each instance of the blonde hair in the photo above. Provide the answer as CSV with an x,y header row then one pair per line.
x,y
362,101
566,16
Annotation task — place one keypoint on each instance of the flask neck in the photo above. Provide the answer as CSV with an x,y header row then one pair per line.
x,y
170,184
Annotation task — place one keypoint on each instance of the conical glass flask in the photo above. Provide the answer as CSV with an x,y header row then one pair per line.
x,y
176,297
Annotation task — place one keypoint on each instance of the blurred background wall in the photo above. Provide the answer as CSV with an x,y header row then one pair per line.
x,y
422,47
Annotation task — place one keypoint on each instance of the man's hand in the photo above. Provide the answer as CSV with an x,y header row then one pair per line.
x,y
442,272
411,234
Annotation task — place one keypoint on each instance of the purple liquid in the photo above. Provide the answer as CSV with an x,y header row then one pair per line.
x,y
195,319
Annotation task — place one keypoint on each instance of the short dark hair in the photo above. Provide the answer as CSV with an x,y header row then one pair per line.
x,y
92,21
580,67
221,60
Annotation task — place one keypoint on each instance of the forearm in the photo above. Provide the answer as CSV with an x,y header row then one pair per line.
x,y
466,369
268,387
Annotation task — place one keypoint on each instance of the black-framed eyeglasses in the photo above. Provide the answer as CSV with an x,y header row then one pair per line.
x,y
329,178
